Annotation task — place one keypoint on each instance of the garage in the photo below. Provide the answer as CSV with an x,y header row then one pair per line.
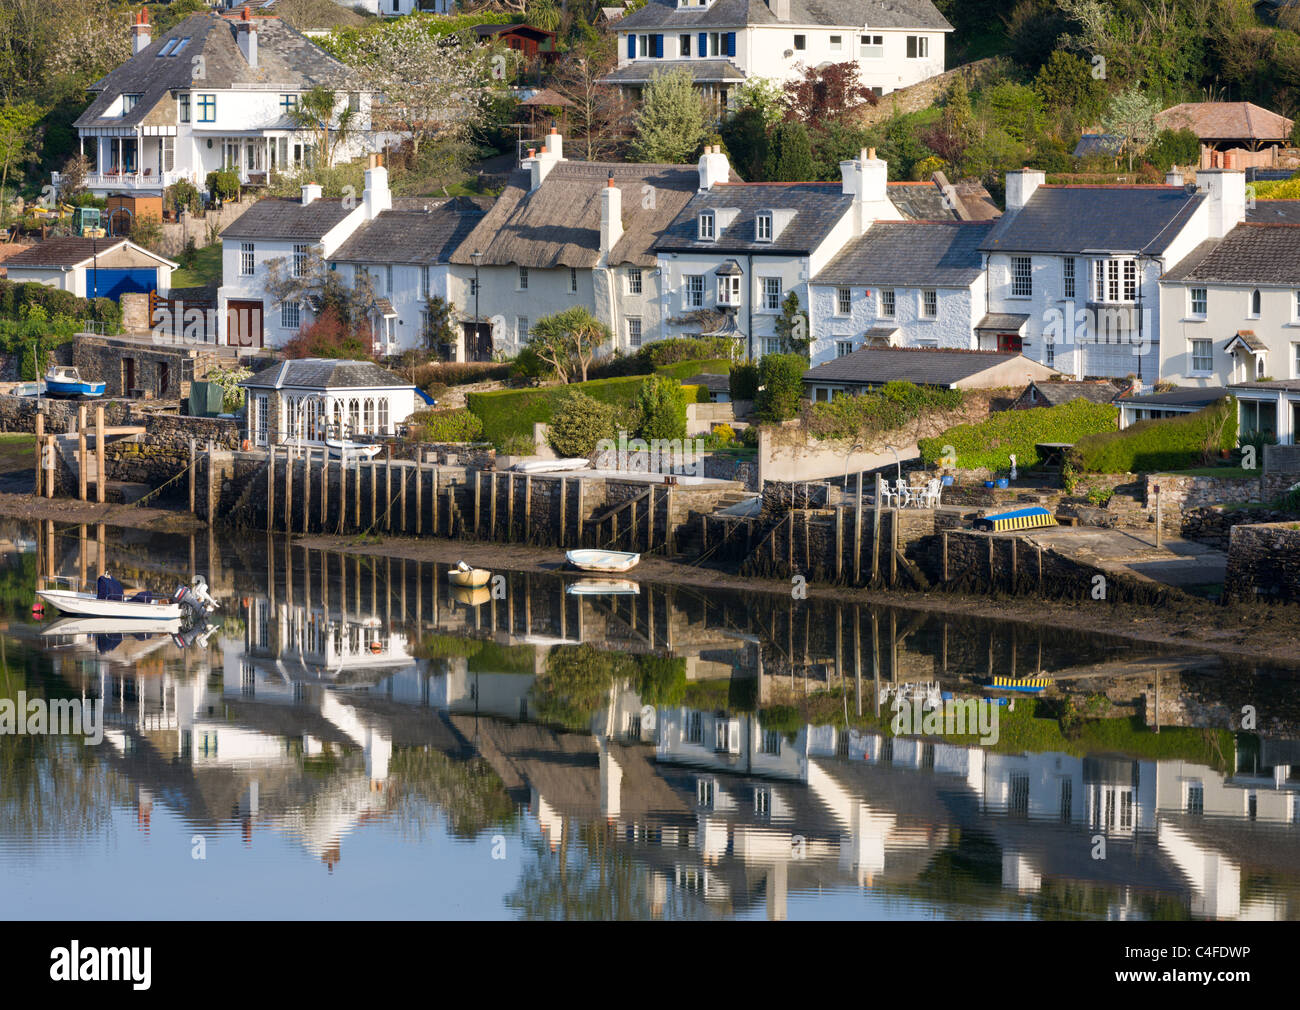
x,y
116,281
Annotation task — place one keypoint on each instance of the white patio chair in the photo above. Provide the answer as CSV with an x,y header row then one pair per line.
x,y
903,492
930,496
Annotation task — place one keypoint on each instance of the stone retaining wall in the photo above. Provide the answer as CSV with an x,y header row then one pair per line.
x,y
1263,561
18,413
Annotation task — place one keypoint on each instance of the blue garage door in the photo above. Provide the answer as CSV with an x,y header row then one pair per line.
x,y
113,283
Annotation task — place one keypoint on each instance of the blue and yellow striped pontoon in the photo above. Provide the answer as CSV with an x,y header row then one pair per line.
x,y
1028,684
1021,519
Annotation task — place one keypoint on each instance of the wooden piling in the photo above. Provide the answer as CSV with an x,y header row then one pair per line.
x,y
839,542
492,506
343,490
434,501
875,532
790,547
306,489
510,507
374,493
40,451
564,486
193,460
288,493
81,452
388,486
478,499
893,546
356,494
944,541
419,506
528,507
101,471
212,494
270,488
857,537
581,513
325,486
1013,564
401,496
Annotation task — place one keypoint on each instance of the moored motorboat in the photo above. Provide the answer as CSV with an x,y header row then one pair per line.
x,y
112,625
468,576
110,599
603,587
65,380
602,561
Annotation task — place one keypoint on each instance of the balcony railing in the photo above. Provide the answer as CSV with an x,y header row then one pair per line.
x,y
144,179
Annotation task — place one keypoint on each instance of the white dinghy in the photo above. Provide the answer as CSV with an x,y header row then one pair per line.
x,y
602,561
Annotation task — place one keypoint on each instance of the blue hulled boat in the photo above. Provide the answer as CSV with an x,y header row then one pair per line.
x,y
64,380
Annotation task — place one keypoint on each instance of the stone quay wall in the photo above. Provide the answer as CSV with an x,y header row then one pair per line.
x,y
1263,562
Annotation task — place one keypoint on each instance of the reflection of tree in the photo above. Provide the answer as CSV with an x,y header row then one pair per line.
x,y
576,684
470,793
590,877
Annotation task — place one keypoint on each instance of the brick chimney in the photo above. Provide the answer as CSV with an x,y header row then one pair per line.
x,y
246,31
140,32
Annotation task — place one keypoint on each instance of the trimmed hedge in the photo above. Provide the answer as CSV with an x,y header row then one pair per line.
x,y
1168,443
868,414
445,426
513,412
990,443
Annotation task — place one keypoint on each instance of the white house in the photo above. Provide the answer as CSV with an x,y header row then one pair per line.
x,y
902,284
406,253
309,399
92,268
1073,272
725,42
214,92
295,233
565,234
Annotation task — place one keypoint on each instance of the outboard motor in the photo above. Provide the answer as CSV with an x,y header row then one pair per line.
x,y
195,602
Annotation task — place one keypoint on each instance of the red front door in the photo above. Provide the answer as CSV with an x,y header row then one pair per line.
x,y
1009,342
244,324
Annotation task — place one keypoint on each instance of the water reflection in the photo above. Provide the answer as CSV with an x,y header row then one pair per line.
x,y
674,754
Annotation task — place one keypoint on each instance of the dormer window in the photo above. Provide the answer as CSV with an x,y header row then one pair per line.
x,y
708,229
763,226
129,102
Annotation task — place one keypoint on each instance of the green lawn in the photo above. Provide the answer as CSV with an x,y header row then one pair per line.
x,y
206,269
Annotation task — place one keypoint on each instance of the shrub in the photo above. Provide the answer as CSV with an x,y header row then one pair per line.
x,y
661,408
528,365
724,433
445,426
182,195
897,403
1170,443
781,376
223,184
457,373
743,381
579,423
676,349
519,445
990,443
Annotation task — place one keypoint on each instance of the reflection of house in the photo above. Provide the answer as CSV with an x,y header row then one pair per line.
x,y
308,399
214,92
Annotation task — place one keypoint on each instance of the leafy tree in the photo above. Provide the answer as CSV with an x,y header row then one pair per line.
x,y
744,133
1016,109
440,327
1131,117
1068,90
319,114
661,408
901,146
762,95
670,126
790,157
1174,147
579,423
18,142
778,397
568,341
824,94
598,111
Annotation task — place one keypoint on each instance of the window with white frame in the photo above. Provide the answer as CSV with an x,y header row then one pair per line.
x,y
684,45
573,280
694,727
1194,797
290,314
1022,277
633,280
1115,280
1295,361
771,345
260,419
843,301
800,43
634,331
424,280
843,348
772,742
887,305
473,287
183,105
1049,354
246,261
1200,301
1202,356
521,329
918,47
643,45
929,303
763,227
694,291
707,226
1067,277
523,278
1254,304
729,290
837,43
871,47
763,802
300,254
771,293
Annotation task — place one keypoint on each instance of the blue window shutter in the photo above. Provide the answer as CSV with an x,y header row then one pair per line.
x,y
631,47
731,43
704,44
659,46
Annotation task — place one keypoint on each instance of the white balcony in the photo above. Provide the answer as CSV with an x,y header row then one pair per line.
x,y
141,181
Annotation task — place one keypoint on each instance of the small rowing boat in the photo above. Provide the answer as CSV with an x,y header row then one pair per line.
x,y
352,450
468,577
603,561
552,465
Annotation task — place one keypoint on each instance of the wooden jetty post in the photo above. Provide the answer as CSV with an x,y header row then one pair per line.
x,y
564,487
306,489
290,455
478,499
510,506
419,510
492,504
839,542
857,538
388,486
343,490
356,493
581,513
81,452
374,493
528,506
434,502
402,496
40,450
193,460
875,533
893,546
270,488
101,472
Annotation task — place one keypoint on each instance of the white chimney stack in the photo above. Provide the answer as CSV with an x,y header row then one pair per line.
x,y
247,33
1173,178
377,196
1225,197
1021,185
714,167
611,217
780,9
140,33
311,192
540,163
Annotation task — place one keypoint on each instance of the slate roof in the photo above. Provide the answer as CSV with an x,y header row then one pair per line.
x,y
1194,397
282,218
1274,212
939,254
325,373
59,253
818,207
1225,121
411,236
701,70
285,58
739,13
1053,394
1255,254
1250,339
559,224
1077,219
1007,322
925,367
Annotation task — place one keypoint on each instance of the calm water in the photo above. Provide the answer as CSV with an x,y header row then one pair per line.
x,y
353,739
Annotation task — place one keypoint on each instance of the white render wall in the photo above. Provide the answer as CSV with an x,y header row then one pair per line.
x,y
1227,311
959,309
